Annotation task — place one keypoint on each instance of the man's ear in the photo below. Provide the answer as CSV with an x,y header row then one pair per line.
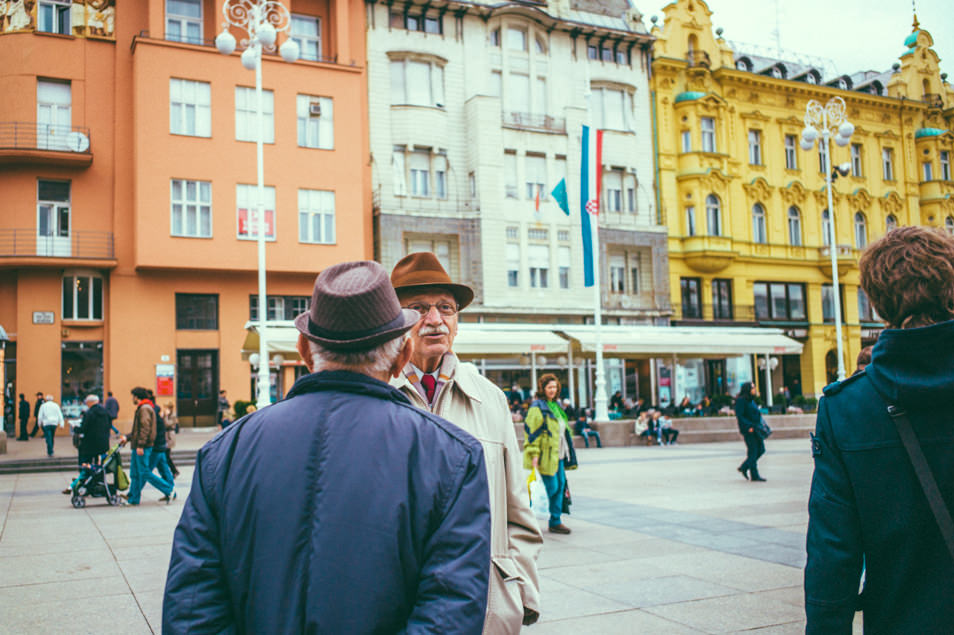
x,y
305,351
403,358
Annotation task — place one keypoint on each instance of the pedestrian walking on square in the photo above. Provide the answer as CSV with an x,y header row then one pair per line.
x,y
342,508
94,428
172,429
882,492
158,460
436,380
36,414
222,410
548,447
50,418
24,412
112,409
141,439
748,416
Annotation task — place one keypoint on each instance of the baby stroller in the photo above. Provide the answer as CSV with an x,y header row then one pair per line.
x,y
105,479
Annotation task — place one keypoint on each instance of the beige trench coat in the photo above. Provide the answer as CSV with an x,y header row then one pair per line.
x,y
472,402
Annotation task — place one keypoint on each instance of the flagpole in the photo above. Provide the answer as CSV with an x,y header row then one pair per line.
x,y
599,401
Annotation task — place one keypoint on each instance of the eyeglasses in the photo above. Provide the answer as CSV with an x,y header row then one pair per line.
x,y
446,309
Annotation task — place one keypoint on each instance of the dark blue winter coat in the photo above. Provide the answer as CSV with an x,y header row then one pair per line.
x,y
866,505
342,509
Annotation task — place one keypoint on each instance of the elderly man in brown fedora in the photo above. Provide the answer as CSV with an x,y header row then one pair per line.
x,y
343,508
436,380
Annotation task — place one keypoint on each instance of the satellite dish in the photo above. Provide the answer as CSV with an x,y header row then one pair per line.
x,y
625,302
77,142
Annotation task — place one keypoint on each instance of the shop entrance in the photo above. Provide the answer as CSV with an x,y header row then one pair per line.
x,y
198,387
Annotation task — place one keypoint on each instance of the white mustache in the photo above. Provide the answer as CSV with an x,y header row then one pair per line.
x,y
434,330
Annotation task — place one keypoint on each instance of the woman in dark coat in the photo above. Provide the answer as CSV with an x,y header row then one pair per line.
x,y
748,416
95,430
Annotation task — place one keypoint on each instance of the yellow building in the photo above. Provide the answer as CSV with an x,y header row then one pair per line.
x,y
746,207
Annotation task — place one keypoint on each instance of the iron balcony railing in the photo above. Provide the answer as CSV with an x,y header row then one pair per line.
x,y
185,39
79,244
30,135
934,100
528,121
698,58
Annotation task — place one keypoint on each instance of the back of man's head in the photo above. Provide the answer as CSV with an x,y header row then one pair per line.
x,y
908,275
140,393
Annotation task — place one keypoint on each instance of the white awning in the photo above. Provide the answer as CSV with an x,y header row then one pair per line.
x,y
696,341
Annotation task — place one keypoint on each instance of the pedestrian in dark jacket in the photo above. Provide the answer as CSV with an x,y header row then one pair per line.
x,y
141,439
36,414
159,459
748,416
342,509
94,428
867,509
24,412
112,408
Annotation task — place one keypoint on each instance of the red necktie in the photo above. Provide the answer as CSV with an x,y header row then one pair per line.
x,y
429,384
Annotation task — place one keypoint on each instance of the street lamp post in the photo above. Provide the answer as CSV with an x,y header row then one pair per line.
x,y
821,123
261,20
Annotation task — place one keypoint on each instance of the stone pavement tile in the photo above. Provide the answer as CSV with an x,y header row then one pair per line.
x,y
561,556
662,590
593,533
620,622
772,535
746,574
791,628
76,565
147,582
151,604
151,538
595,574
117,614
63,590
776,519
645,548
560,601
159,552
729,613
794,595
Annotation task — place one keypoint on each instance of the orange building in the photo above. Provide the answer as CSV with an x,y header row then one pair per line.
x,y
127,169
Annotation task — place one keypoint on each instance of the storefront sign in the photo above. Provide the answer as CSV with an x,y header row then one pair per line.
x,y
165,380
43,317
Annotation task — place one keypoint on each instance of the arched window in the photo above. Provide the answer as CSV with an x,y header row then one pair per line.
x,y
861,231
826,228
949,225
890,223
794,227
713,215
691,220
693,44
759,234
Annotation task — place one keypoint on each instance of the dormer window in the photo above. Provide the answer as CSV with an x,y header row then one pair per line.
x,y
811,79
741,65
842,84
776,72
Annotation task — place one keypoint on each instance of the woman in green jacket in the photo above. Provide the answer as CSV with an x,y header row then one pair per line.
x,y
546,446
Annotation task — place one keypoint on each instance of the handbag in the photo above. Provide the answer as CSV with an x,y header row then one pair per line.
x,y
567,499
928,485
762,430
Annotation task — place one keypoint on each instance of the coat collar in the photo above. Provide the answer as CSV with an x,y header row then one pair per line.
x,y
452,371
345,381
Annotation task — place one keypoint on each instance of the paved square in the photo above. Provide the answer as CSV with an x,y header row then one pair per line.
x,y
665,540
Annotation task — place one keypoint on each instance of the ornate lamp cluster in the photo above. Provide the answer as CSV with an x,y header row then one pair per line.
x,y
261,20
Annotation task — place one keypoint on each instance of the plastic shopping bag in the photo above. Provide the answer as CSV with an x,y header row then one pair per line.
x,y
539,501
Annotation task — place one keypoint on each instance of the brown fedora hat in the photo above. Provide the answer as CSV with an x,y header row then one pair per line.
x,y
423,269
354,307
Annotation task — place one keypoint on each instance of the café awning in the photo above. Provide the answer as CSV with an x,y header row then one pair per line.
x,y
682,341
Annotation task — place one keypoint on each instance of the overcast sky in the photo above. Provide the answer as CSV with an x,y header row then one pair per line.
x,y
855,35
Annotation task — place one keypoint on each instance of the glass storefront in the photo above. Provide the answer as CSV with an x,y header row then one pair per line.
x,y
81,371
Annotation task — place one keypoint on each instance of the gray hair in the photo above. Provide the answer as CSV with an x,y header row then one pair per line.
x,y
91,399
372,361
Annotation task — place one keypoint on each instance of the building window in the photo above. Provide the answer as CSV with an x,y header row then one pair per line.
x,y
537,233
82,297
612,108
759,233
945,165
536,176
495,38
949,225
794,227
779,301
563,236
316,122
191,208
708,134
420,168
887,164
690,220
279,307
856,160
512,233
686,140
822,162
721,299
826,228
538,257
54,114
316,217
246,206
755,147
713,215
438,247
617,271
53,219
423,23
510,174
516,39
190,111
791,157
890,222
861,231
612,191
184,21
592,52
563,262
417,83
197,311
440,175
426,172
246,115
866,312
306,32
928,171
828,303
691,302
53,16
513,264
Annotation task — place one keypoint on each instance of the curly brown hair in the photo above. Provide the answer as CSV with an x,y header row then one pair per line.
x,y
909,276
542,384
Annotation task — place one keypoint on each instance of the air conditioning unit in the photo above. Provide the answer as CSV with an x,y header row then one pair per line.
x,y
314,109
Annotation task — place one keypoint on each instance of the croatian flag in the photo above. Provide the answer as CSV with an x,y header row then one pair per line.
x,y
590,194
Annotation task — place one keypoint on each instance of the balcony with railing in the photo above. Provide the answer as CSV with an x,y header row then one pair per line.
x,y
698,59
933,100
46,144
182,38
23,246
712,314
534,122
